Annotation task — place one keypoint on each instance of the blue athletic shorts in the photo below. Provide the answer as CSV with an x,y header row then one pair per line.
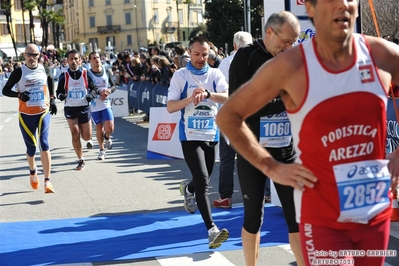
x,y
29,125
103,115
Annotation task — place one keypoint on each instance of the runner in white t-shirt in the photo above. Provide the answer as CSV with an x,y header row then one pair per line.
x,y
197,91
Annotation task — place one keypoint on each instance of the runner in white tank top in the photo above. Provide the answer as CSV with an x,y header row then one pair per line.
x,y
102,115
77,88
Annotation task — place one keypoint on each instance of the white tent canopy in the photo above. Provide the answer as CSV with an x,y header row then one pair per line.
x,y
10,52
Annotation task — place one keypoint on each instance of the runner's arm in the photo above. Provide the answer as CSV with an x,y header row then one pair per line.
x,y
14,78
50,82
61,85
93,89
111,81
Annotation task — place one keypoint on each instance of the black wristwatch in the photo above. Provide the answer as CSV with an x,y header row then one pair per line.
x,y
208,94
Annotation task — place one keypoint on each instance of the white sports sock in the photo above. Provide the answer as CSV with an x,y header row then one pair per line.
x,y
188,191
213,229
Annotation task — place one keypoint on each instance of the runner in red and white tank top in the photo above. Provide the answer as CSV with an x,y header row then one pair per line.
x,y
348,146
335,89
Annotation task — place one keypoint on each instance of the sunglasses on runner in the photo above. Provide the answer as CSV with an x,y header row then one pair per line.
x,y
31,55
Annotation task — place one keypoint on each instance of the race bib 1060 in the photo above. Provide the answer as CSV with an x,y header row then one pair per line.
x,y
275,131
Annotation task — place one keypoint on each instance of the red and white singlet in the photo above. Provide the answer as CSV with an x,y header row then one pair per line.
x,y
339,134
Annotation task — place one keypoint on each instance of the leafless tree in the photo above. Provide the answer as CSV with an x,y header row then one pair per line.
x,y
387,15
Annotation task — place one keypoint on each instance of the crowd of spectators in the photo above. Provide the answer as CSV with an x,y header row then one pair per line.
x,y
155,64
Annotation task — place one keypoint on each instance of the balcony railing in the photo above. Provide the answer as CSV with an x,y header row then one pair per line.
x,y
109,29
169,27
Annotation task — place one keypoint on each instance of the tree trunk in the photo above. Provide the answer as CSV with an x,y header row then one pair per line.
x,y
178,22
23,22
54,37
9,22
31,27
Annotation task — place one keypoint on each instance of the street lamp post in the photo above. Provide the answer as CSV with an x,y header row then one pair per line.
x,y
137,26
178,21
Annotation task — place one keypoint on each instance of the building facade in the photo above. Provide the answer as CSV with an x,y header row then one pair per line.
x,y
20,29
130,24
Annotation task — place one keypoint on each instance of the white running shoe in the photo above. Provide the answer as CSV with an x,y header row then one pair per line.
x,y
89,144
217,237
108,143
189,198
101,155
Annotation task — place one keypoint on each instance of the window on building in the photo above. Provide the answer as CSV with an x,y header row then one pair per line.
x,y
17,4
4,30
107,2
94,42
181,21
129,39
20,35
199,2
169,14
127,1
168,1
200,18
128,18
155,1
110,40
92,22
157,36
109,20
156,17
91,3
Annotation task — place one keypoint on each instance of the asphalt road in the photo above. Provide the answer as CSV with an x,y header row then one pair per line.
x,y
124,183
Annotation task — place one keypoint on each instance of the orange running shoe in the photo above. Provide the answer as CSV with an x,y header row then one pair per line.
x,y
34,181
48,187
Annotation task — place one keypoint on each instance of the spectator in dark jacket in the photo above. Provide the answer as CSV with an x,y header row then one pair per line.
x,y
155,75
214,59
166,72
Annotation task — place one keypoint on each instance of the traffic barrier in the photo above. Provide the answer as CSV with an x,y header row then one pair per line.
x,y
392,139
395,206
144,94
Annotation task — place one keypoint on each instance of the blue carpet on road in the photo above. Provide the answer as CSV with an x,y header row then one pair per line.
x,y
126,237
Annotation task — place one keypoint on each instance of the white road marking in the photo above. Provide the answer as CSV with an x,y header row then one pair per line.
x,y
197,259
287,248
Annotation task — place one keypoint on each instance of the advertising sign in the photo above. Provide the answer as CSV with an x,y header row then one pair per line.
x,y
163,135
119,102
297,7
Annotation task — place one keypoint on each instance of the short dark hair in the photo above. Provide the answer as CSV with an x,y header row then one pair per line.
x,y
73,51
180,49
199,39
92,54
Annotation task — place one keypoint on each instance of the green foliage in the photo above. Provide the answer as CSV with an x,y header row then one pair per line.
x,y
200,30
152,43
224,18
